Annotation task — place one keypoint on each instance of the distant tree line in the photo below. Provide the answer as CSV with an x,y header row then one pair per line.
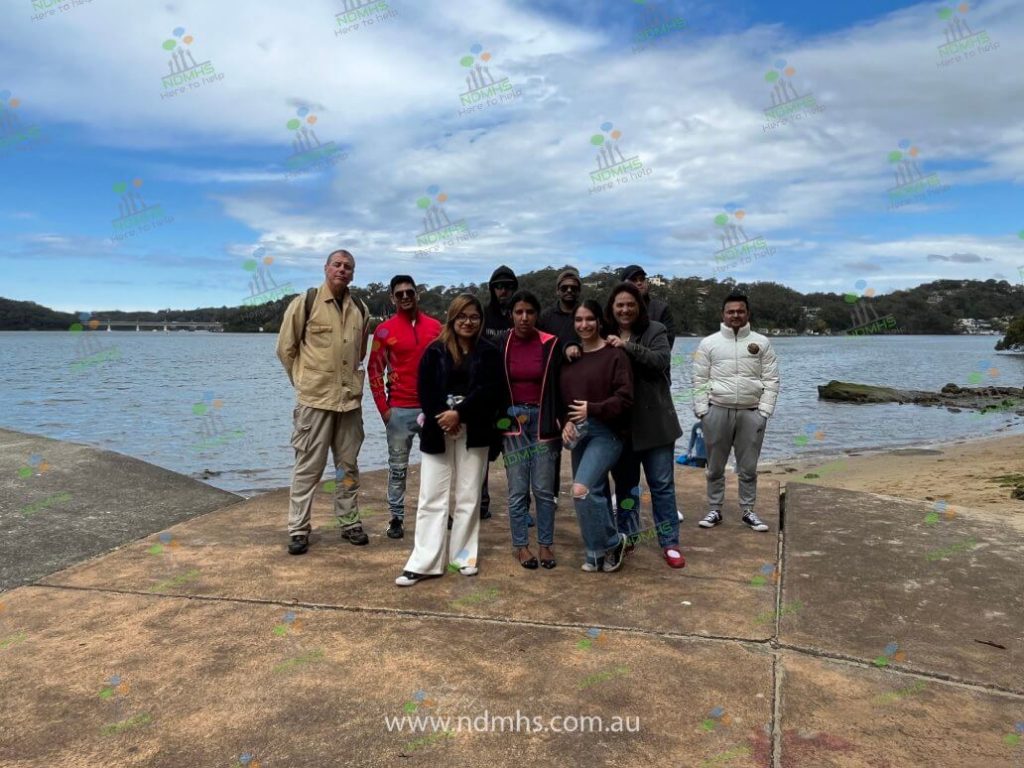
x,y
930,308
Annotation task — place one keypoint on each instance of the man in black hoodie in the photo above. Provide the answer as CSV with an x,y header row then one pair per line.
x,y
498,314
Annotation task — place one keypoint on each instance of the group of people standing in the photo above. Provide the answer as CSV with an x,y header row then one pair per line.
x,y
515,380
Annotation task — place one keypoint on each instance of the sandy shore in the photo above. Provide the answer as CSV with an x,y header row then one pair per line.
x,y
961,473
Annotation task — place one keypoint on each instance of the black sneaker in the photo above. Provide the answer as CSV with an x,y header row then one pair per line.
x,y
355,535
485,513
755,522
614,556
711,519
298,545
395,528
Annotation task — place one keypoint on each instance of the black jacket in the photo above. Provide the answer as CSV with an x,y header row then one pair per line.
x,y
476,412
653,419
554,320
496,317
551,388
658,310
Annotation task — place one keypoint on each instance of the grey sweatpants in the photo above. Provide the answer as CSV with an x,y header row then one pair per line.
x,y
726,429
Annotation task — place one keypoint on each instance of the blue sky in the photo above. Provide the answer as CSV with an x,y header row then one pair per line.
x,y
86,126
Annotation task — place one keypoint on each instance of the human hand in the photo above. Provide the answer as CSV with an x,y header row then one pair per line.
x,y
386,416
578,410
449,422
615,341
569,432
573,353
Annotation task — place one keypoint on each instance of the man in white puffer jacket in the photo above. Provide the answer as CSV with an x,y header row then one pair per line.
x,y
736,385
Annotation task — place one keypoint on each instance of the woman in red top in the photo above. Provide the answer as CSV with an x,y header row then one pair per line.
x,y
530,427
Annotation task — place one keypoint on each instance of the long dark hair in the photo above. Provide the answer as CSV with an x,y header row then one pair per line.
x,y
593,306
447,337
643,318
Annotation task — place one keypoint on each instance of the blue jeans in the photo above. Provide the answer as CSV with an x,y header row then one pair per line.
x,y
593,456
530,464
400,430
658,464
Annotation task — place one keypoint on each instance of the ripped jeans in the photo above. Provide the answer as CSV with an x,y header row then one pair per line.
x,y
594,455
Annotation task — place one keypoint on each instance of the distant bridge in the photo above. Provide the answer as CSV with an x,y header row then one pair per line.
x,y
169,325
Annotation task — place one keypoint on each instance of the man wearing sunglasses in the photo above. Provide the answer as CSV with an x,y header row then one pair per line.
x,y
498,313
557,319
398,345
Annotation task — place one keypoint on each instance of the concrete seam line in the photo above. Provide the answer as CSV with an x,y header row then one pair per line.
x,y
777,672
754,645
398,612
913,673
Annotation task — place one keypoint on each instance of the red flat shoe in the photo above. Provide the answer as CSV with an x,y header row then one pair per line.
x,y
674,557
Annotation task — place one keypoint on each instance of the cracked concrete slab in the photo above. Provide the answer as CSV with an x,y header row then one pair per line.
x,y
883,581
239,554
849,716
132,680
61,503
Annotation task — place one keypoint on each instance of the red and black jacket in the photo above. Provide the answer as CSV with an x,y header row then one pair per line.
x,y
550,397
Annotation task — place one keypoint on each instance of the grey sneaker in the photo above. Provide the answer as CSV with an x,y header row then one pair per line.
x,y
751,519
614,557
711,519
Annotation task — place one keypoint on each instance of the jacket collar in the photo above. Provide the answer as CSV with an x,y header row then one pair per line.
x,y
741,334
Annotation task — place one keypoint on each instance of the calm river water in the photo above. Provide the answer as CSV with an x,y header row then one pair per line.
x,y
218,406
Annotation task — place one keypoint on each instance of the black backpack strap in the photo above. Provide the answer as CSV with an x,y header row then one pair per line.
x,y
310,299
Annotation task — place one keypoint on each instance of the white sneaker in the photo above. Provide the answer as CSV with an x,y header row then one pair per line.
x,y
680,513
469,570
408,578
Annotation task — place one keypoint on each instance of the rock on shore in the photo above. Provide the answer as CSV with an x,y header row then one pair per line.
x,y
983,399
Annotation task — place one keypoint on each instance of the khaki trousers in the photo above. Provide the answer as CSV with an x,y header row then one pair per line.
x,y
316,430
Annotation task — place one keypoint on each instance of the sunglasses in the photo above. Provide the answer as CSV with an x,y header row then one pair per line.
x,y
569,288
504,286
408,293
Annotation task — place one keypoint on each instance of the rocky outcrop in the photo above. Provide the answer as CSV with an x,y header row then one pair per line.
x,y
982,399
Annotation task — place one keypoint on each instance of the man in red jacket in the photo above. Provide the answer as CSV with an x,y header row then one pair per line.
x,y
398,345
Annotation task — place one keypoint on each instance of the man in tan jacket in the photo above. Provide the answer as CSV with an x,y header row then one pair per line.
x,y
323,357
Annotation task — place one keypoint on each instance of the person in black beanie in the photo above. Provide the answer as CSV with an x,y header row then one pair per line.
x,y
498,314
